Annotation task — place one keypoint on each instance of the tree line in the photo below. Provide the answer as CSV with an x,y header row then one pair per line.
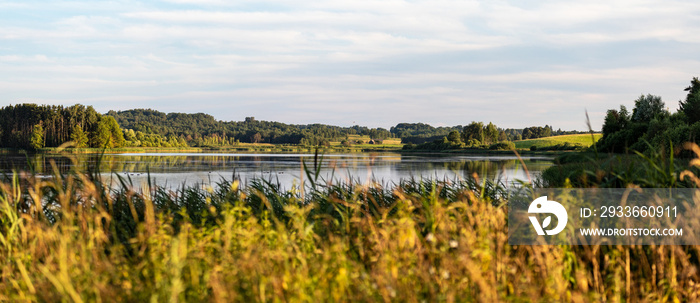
x,y
204,130
475,133
651,125
31,126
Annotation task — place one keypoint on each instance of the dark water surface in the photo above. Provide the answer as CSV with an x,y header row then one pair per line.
x,y
175,169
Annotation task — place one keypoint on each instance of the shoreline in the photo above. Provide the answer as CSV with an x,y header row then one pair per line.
x,y
282,149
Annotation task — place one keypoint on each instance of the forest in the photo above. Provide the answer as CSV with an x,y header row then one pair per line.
x,y
32,127
204,130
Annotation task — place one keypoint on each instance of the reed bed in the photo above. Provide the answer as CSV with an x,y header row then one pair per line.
x,y
73,238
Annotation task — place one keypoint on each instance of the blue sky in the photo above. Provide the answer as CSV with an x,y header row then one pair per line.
x,y
373,63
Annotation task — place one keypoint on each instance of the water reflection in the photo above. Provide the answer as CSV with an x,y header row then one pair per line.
x,y
175,169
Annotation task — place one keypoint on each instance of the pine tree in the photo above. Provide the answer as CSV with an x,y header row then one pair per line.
x,y
79,137
37,139
691,106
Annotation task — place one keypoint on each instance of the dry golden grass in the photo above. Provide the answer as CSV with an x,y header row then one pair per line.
x,y
59,242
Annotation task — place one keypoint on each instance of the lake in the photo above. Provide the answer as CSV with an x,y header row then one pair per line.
x,y
174,169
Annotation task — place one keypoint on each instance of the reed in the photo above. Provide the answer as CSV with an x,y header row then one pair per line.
x,y
75,238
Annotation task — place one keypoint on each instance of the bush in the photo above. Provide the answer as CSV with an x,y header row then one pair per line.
x,y
505,145
472,143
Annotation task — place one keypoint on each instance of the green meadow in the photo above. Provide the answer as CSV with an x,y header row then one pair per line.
x,y
585,140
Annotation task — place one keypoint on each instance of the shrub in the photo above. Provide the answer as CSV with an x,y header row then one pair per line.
x,y
506,145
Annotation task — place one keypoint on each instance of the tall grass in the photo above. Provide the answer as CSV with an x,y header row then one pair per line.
x,y
73,238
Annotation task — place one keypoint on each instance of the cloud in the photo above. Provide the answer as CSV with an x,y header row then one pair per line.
x,y
373,62
577,22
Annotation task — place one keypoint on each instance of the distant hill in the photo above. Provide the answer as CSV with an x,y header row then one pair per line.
x,y
31,126
202,129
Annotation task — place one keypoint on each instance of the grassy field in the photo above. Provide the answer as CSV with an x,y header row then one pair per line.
x,y
386,144
583,139
394,142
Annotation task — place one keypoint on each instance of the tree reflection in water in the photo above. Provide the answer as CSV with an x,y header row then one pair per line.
x,y
192,168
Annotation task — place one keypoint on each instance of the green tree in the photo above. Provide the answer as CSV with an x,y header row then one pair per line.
x,y
615,121
100,138
473,132
256,138
490,133
502,136
129,135
647,107
454,137
78,136
691,106
37,139
108,134
535,132
115,132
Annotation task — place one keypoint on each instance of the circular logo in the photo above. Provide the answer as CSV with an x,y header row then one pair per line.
x,y
543,206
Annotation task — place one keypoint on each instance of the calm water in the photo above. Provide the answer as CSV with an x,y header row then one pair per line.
x,y
175,169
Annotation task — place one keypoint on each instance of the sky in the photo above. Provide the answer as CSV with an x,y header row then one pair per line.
x,y
352,62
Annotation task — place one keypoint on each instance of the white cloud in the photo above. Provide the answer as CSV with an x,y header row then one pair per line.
x,y
442,62
598,21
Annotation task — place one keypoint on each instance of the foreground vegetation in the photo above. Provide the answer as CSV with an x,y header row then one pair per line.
x,y
72,238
